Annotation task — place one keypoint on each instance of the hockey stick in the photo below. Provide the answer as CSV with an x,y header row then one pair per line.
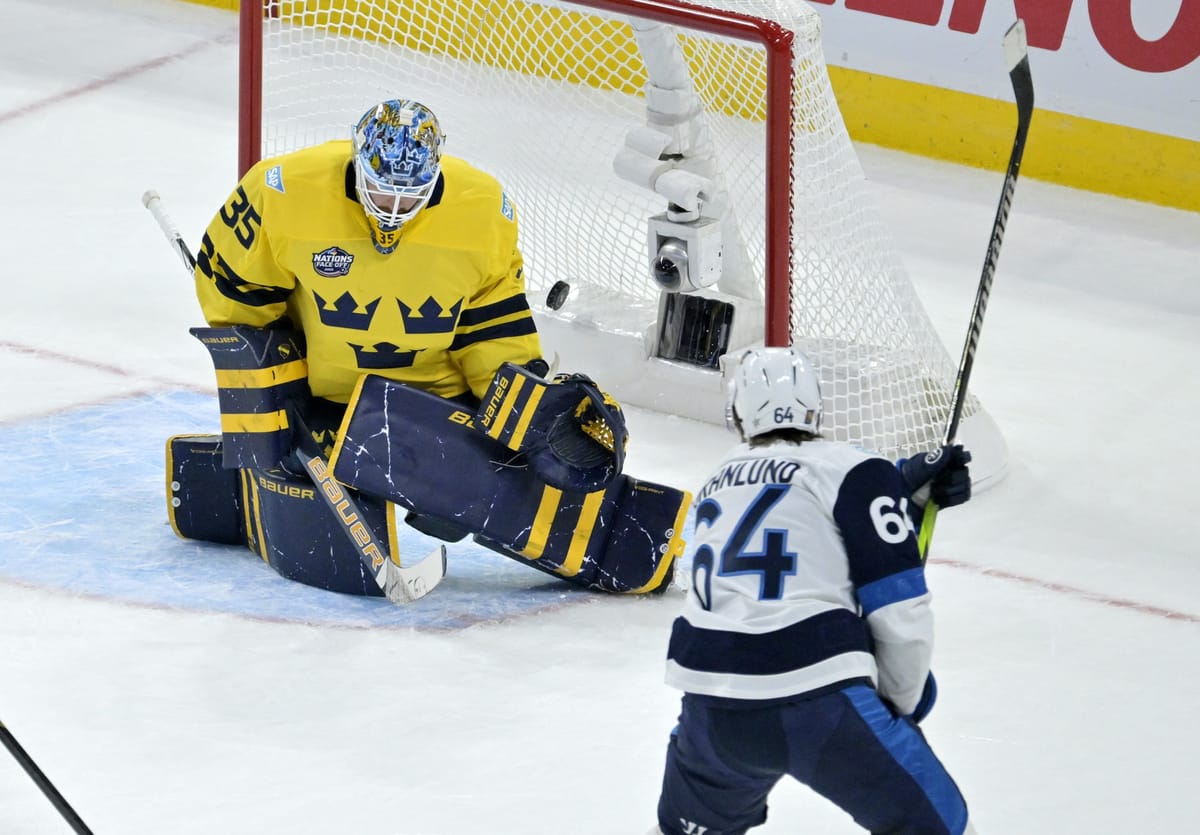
x,y
399,584
1016,55
153,202
43,783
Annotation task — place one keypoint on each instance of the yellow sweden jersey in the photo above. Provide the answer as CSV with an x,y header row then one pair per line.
x,y
441,312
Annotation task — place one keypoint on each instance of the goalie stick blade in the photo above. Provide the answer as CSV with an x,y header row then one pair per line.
x,y
408,583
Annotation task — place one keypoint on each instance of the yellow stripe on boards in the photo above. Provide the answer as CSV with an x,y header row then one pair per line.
x,y
585,49
577,550
250,422
261,378
541,41
978,131
542,520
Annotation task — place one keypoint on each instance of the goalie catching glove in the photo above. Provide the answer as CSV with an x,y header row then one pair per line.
x,y
572,433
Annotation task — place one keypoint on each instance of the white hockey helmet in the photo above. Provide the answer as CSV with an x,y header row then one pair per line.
x,y
773,388
397,162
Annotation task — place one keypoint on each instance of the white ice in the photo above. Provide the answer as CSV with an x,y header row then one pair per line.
x,y
1066,596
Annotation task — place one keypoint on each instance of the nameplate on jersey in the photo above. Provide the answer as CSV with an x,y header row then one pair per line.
x,y
757,471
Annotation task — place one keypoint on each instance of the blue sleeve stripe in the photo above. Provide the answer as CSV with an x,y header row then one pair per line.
x,y
902,586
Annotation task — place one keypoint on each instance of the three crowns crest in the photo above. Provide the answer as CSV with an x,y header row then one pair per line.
x,y
346,312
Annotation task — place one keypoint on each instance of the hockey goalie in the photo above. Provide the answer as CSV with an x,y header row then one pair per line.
x,y
369,330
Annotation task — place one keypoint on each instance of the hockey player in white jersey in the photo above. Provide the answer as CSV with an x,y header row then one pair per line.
x,y
805,641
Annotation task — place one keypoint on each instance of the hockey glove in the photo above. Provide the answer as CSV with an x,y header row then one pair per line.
x,y
572,433
585,445
928,697
941,475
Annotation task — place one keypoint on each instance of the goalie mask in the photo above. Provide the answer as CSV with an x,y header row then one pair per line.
x,y
774,388
397,162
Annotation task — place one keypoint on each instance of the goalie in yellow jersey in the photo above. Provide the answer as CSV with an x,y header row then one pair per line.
x,y
391,258
369,293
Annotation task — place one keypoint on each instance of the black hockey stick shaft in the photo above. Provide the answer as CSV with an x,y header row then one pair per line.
x,y
399,584
1016,53
43,782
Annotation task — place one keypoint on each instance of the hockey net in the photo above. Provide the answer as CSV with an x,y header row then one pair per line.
x,y
554,98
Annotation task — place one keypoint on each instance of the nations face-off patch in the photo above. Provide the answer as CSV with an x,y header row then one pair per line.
x,y
334,262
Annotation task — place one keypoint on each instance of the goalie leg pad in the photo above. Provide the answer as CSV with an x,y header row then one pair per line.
x,y
421,452
624,539
204,499
278,516
291,528
259,371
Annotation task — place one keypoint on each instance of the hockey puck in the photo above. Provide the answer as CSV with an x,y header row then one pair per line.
x,y
557,295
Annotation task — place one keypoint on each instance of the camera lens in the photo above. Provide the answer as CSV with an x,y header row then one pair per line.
x,y
669,267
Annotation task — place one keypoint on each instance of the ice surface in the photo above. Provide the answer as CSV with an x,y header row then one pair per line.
x,y
170,687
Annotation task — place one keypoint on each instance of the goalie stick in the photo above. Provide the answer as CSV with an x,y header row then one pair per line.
x,y
31,768
399,584
1016,55
153,202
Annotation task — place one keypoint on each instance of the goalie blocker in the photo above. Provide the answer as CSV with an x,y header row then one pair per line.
x,y
534,475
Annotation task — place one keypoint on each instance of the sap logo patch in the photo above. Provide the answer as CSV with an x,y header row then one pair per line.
x,y
333,262
506,206
275,178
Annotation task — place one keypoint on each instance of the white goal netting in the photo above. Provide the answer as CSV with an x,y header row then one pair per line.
x,y
545,96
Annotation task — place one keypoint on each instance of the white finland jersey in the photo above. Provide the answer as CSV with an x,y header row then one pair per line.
x,y
805,573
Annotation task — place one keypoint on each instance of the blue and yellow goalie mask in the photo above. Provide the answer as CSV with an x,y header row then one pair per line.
x,y
397,162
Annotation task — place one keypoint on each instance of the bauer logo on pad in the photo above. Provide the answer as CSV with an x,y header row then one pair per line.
x,y
333,262
275,178
506,206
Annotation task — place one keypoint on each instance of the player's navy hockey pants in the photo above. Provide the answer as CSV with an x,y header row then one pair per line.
x,y
845,745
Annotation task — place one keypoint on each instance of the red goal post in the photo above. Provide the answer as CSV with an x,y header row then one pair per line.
x,y
559,99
